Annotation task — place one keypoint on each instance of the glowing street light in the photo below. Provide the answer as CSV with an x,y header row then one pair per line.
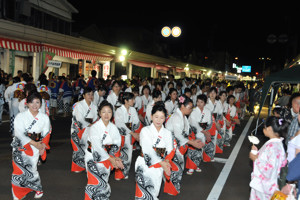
x,y
187,67
124,52
176,31
166,31
121,58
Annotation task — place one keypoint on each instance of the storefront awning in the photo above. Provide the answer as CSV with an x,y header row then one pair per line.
x,y
20,45
141,64
179,70
59,51
162,67
75,54
149,65
195,71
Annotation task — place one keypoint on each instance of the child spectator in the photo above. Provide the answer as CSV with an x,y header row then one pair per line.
x,y
269,160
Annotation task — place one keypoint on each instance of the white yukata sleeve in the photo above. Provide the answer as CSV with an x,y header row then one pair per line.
x,y
194,122
150,156
120,122
19,129
135,119
208,119
47,127
98,151
148,115
7,94
138,103
116,141
22,106
169,142
116,136
233,112
109,99
178,131
79,115
168,106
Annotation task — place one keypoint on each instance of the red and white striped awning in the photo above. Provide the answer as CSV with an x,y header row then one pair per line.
x,y
142,64
59,51
75,54
179,70
20,45
195,71
162,67
149,65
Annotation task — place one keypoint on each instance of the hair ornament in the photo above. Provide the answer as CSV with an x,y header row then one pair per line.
x,y
181,99
280,122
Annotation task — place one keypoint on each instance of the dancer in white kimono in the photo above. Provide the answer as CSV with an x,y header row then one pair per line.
x,y
179,126
84,114
2,89
200,121
231,118
146,99
23,103
222,121
102,154
268,160
8,95
157,150
99,95
171,102
159,86
14,94
156,96
216,110
129,125
32,134
114,95
137,98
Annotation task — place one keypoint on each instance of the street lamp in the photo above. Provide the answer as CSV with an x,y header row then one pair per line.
x,y
176,31
122,55
187,67
166,31
124,52
121,58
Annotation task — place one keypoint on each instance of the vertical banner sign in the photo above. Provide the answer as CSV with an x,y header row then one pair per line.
x,y
12,61
106,70
46,57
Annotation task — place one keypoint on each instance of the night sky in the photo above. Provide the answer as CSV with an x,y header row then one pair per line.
x,y
242,32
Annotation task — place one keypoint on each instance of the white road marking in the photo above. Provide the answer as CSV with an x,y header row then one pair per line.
x,y
220,160
219,184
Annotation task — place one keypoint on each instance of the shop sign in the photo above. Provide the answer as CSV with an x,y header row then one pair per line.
x,y
229,77
106,69
54,63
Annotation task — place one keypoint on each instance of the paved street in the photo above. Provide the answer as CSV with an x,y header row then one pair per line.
x,y
60,184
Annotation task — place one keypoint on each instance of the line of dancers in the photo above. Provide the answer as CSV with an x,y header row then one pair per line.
x,y
178,133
